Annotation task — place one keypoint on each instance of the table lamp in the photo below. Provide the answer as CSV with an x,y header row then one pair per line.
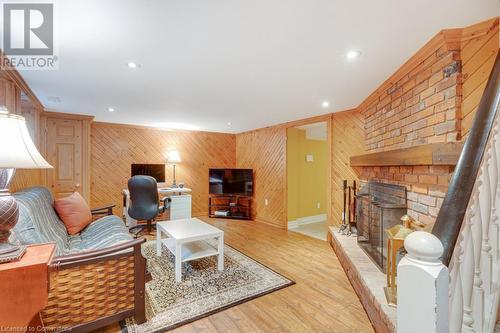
x,y
17,151
173,157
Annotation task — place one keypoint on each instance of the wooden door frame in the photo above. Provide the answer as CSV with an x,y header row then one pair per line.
x,y
86,128
328,118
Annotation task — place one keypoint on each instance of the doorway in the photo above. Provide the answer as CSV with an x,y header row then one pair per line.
x,y
65,142
307,179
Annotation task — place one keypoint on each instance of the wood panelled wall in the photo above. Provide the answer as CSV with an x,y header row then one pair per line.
x,y
264,151
347,140
479,48
19,99
115,147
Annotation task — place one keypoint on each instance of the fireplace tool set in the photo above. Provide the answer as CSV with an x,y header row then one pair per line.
x,y
349,208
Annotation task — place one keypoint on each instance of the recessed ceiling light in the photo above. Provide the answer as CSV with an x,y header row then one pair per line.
x,y
229,123
110,109
325,104
353,54
132,64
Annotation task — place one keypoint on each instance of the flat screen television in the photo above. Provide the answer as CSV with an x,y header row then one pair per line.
x,y
231,181
157,171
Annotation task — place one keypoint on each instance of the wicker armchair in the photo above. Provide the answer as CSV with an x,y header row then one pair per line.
x,y
94,289
97,276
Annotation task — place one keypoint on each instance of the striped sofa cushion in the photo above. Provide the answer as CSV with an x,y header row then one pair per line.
x,y
39,223
105,232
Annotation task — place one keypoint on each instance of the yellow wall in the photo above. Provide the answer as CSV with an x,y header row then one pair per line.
x,y
306,180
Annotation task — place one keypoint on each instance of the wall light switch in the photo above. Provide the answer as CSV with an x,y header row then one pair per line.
x,y
318,205
309,158
266,202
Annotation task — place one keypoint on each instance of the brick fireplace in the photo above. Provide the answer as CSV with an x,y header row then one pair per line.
x,y
426,186
420,106
379,207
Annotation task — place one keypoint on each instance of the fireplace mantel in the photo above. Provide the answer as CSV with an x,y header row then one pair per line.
x,y
429,154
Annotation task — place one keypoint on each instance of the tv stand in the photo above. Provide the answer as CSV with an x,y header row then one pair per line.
x,y
236,206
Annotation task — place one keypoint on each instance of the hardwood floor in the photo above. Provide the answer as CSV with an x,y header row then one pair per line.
x,y
322,300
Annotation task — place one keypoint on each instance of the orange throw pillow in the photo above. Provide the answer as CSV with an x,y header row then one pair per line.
x,y
74,212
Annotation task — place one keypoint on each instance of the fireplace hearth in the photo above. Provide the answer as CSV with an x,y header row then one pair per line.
x,y
379,206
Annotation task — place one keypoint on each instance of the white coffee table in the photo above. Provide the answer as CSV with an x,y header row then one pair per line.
x,y
187,241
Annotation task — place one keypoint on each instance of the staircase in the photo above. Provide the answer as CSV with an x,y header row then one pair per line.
x,y
460,260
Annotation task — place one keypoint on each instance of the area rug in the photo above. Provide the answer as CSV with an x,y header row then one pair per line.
x,y
203,289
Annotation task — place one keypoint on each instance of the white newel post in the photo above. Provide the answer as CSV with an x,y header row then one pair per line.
x,y
422,283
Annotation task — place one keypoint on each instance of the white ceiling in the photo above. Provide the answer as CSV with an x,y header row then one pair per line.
x,y
252,63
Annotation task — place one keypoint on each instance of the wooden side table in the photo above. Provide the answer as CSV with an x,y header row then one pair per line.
x,y
25,288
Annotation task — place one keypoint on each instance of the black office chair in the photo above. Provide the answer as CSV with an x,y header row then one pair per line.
x,y
144,202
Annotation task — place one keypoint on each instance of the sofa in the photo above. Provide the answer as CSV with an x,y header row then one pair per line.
x,y
97,277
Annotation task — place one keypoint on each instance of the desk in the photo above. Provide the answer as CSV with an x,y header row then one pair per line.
x,y
25,288
180,203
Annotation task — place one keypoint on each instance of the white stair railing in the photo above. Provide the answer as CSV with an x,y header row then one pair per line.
x,y
474,267
422,282
468,226
474,270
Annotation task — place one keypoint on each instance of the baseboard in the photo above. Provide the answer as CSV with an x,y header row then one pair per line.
x,y
306,220
272,223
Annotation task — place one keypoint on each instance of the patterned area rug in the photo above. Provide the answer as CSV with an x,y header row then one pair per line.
x,y
203,289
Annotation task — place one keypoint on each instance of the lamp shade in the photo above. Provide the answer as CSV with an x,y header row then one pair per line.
x,y
17,150
173,156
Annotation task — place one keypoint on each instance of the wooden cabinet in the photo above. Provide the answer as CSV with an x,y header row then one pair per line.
x,y
66,146
25,287
235,206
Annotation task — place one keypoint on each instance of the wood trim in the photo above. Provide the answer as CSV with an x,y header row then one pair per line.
x,y
151,128
429,154
86,144
295,123
43,146
479,29
269,222
329,173
63,115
